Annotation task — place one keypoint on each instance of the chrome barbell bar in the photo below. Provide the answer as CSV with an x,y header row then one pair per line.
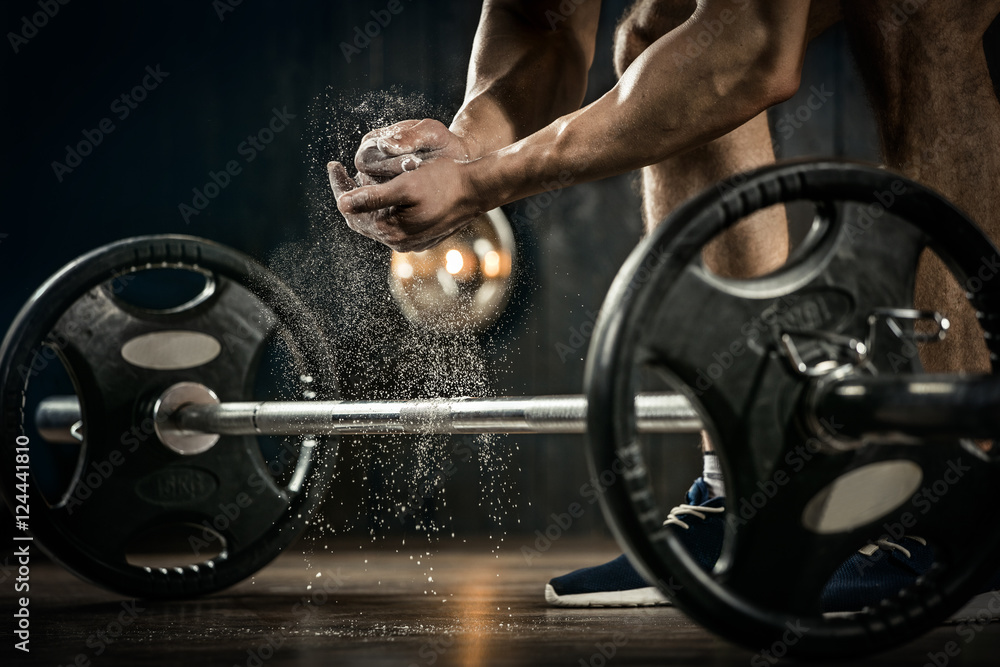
x,y
190,409
664,413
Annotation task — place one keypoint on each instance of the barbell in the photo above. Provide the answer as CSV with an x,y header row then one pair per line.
x,y
820,354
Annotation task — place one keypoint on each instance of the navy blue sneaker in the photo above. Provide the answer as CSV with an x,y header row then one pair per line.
x,y
699,524
876,571
881,569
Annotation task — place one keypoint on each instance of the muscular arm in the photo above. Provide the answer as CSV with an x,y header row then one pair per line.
x,y
672,98
529,66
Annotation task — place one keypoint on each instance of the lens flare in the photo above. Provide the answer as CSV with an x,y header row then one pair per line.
x,y
491,264
404,270
453,261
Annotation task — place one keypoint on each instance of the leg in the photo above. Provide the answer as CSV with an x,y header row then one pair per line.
x,y
749,249
759,244
939,121
756,245
753,247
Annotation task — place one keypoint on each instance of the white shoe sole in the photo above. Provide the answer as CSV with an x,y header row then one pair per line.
x,y
982,608
637,597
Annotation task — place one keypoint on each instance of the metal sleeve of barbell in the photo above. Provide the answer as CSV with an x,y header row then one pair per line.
x,y
659,413
907,408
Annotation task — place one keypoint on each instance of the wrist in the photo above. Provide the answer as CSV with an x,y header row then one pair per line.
x,y
474,149
482,126
485,182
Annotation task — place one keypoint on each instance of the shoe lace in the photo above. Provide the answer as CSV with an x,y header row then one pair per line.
x,y
870,548
697,510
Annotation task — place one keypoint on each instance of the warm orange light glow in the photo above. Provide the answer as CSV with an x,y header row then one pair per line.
x,y
460,285
404,269
453,261
491,264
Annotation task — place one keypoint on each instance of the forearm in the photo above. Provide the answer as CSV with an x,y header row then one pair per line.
x,y
528,67
666,103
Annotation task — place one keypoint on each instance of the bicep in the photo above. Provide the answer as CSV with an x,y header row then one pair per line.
x,y
766,38
782,23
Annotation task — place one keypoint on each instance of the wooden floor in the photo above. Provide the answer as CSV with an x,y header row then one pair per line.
x,y
462,605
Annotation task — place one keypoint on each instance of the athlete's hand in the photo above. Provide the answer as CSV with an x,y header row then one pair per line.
x,y
390,151
413,211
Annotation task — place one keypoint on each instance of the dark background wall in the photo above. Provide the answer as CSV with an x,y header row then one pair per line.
x,y
225,74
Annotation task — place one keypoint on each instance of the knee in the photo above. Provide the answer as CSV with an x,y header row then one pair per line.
x,y
644,23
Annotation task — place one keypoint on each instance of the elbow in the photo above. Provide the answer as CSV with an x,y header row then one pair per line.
x,y
779,73
780,85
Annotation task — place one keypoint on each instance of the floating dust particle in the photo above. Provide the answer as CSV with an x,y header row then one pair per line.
x,y
392,483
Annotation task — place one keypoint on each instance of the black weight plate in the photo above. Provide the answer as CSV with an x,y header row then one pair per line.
x,y
126,483
665,312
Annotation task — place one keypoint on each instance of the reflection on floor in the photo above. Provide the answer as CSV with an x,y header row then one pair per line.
x,y
461,605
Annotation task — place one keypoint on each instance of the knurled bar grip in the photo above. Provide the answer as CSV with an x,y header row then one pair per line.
x,y
659,413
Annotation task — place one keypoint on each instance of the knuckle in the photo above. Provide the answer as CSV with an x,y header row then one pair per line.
x,y
366,156
363,199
